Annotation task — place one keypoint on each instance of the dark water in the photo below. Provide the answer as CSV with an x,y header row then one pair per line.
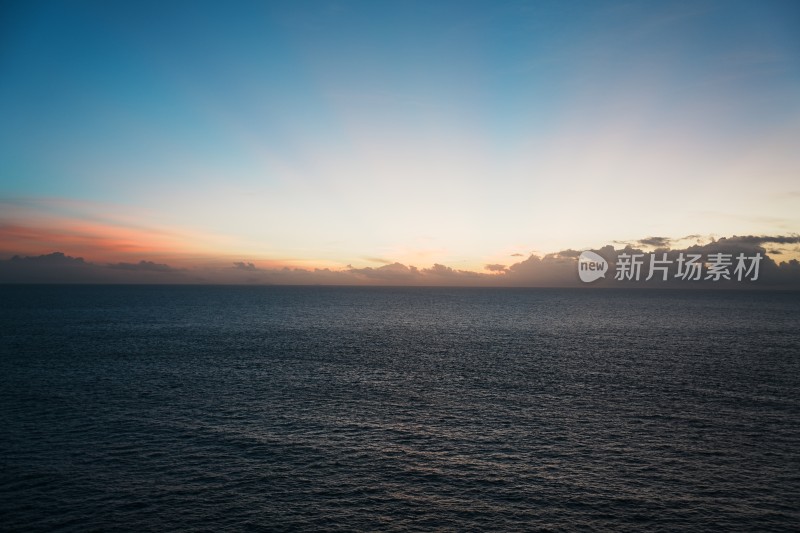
x,y
227,409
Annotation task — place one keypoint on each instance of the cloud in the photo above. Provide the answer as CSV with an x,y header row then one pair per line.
x,y
517,255
657,242
653,242
54,267
565,253
144,266
771,274
55,258
241,265
560,269
763,239
551,270
390,272
58,267
446,272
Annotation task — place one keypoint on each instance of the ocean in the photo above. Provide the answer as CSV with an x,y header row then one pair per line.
x,y
206,408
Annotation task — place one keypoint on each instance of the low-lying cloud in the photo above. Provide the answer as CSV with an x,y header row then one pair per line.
x,y
241,265
551,270
144,266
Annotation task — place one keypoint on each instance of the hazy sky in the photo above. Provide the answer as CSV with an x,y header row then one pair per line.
x,y
327,134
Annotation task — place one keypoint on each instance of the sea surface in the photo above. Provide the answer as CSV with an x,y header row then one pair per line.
x,y
126,408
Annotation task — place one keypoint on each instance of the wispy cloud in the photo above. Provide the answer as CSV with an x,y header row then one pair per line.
x,y
656,242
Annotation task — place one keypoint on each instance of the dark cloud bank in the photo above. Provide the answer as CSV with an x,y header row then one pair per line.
x,y
552,270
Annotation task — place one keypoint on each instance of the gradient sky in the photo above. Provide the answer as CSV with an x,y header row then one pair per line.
x,y
334,133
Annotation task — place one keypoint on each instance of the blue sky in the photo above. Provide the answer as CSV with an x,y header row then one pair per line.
x,y
327,133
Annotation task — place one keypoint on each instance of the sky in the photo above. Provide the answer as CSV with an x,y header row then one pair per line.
x,y
344,136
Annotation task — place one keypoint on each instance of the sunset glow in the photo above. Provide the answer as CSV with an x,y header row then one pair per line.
x,y
364,134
